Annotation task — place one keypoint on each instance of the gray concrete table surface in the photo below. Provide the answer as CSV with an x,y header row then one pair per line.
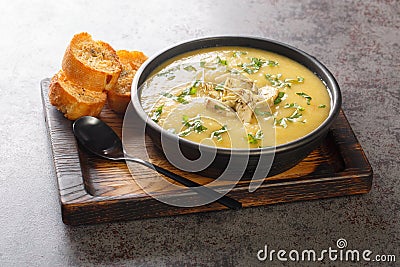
x,y
357,40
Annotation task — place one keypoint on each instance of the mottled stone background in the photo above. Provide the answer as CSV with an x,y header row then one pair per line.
x,y
357,40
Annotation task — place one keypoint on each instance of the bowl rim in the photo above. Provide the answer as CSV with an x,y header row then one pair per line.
x,y
331,84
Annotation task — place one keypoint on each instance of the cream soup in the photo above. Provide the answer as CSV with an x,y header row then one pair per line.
x,y
236,97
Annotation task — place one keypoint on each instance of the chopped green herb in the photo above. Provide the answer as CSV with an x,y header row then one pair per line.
x,y
217,134
198,126
194,125
253,139
322,106
247,70
239,53
294,105
188,91
253,66
272,63
296,114
281,122
185,132
219,87
180,99
169,73
165,73
257,62
169,95
157,113
297,80
292,118
185,119
307,97
190,68
221,61
300,79
278,99
203,64
192,90
276,81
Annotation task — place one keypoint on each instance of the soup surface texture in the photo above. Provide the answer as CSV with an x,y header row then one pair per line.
x,y
236,97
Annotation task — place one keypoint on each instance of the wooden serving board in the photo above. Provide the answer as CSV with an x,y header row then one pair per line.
x,y
94,190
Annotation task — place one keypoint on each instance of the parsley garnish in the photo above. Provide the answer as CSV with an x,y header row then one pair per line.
x,y
253,66
292,118
190,68
239,53
322,106
169,73
169,95
300,79
281,122
217,134
180,99
272,63
185,119
157,113
275,80
278,99
221,61
296,114
219,87
203,64
253,139
192,90
307,97
194,125
294,105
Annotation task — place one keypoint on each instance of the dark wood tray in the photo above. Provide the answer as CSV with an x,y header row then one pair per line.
x,y
94,190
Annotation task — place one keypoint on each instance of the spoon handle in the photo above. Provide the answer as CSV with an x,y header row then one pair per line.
x,y
203,190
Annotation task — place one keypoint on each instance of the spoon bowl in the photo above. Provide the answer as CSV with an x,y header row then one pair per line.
x,y
100,139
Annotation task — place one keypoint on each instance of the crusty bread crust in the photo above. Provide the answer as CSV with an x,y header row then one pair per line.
x,y
133,58
119,97
118,102
74,100
92,72
92,64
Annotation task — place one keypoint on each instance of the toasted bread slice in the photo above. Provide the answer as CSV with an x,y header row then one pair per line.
x,y
73,100
134,58
92,64
120,96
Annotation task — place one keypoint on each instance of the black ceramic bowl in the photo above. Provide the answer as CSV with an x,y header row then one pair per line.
x,y
286,155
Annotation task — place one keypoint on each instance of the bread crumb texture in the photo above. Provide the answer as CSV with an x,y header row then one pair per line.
x,y
91,72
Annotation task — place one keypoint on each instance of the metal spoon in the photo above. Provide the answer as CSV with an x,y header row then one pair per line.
x,y
97,137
